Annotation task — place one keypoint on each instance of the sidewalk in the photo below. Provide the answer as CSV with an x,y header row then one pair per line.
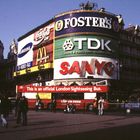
x,y
47,124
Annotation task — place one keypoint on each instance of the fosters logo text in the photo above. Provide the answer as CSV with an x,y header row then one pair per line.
x,y
84,22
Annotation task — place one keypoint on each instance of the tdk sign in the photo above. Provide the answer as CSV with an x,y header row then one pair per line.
x,y
91,44
25,50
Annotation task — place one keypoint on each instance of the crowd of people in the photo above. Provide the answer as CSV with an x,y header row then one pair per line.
x,y
4,110
21,109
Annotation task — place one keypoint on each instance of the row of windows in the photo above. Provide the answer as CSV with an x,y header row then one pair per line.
x,y
132,51
130,38
69,96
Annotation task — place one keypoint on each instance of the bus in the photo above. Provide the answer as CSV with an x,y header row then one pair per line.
x,y
81,100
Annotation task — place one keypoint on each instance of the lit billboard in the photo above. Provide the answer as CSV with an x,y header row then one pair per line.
x,y
43,55
86,44
86,22
36,48
82,67
44,34
25,53
83,45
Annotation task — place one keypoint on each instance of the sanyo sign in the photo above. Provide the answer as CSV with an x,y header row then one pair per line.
x,y
91,44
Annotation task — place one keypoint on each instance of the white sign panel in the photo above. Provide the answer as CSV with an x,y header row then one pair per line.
x,y
29,95
82,67
89,95
25,53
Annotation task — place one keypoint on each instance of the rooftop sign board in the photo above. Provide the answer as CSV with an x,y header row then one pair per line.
x,y
31,49
85,21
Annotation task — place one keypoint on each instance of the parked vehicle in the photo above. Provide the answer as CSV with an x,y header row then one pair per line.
x,y
133,104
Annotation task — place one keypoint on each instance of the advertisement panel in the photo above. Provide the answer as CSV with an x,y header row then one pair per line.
x,y
63,89
44,34
91,45
86,21
82,67
28,48
43,55
25,53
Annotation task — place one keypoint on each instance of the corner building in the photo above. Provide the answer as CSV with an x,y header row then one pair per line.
x,y
86,48
80,47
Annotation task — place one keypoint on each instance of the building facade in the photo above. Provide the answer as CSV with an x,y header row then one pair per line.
x,y
7,68
81,47
1,50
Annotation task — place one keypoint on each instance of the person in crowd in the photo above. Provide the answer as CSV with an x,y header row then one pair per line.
x,y
70,108
22,109
16,104
4,110
67,108
53,105
100,106
38,104
95,105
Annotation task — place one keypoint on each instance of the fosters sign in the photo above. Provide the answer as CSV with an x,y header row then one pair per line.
x,y
79,21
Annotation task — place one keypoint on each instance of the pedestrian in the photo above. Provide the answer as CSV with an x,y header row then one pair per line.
x,y
4,110
37,103
67,108
16,104
22,109
100,106
53,105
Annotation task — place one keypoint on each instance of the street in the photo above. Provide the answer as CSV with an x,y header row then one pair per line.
x,y
44,125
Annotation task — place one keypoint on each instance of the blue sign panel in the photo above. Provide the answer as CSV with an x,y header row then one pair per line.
x,y
81,22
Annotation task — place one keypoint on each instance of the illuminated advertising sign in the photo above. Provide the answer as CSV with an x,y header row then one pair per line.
x,y
91,45
85,21
25,53
86,45
82,67
43,55
65,89
44,34
29,51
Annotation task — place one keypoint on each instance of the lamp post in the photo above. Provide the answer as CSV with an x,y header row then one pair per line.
x,y
117,70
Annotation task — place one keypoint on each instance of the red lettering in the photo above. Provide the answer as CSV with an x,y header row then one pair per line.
x,y
64,68
75,68
86,67
109,68
99,66
94,66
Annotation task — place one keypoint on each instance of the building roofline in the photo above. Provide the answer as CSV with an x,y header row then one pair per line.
x,y
35,29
